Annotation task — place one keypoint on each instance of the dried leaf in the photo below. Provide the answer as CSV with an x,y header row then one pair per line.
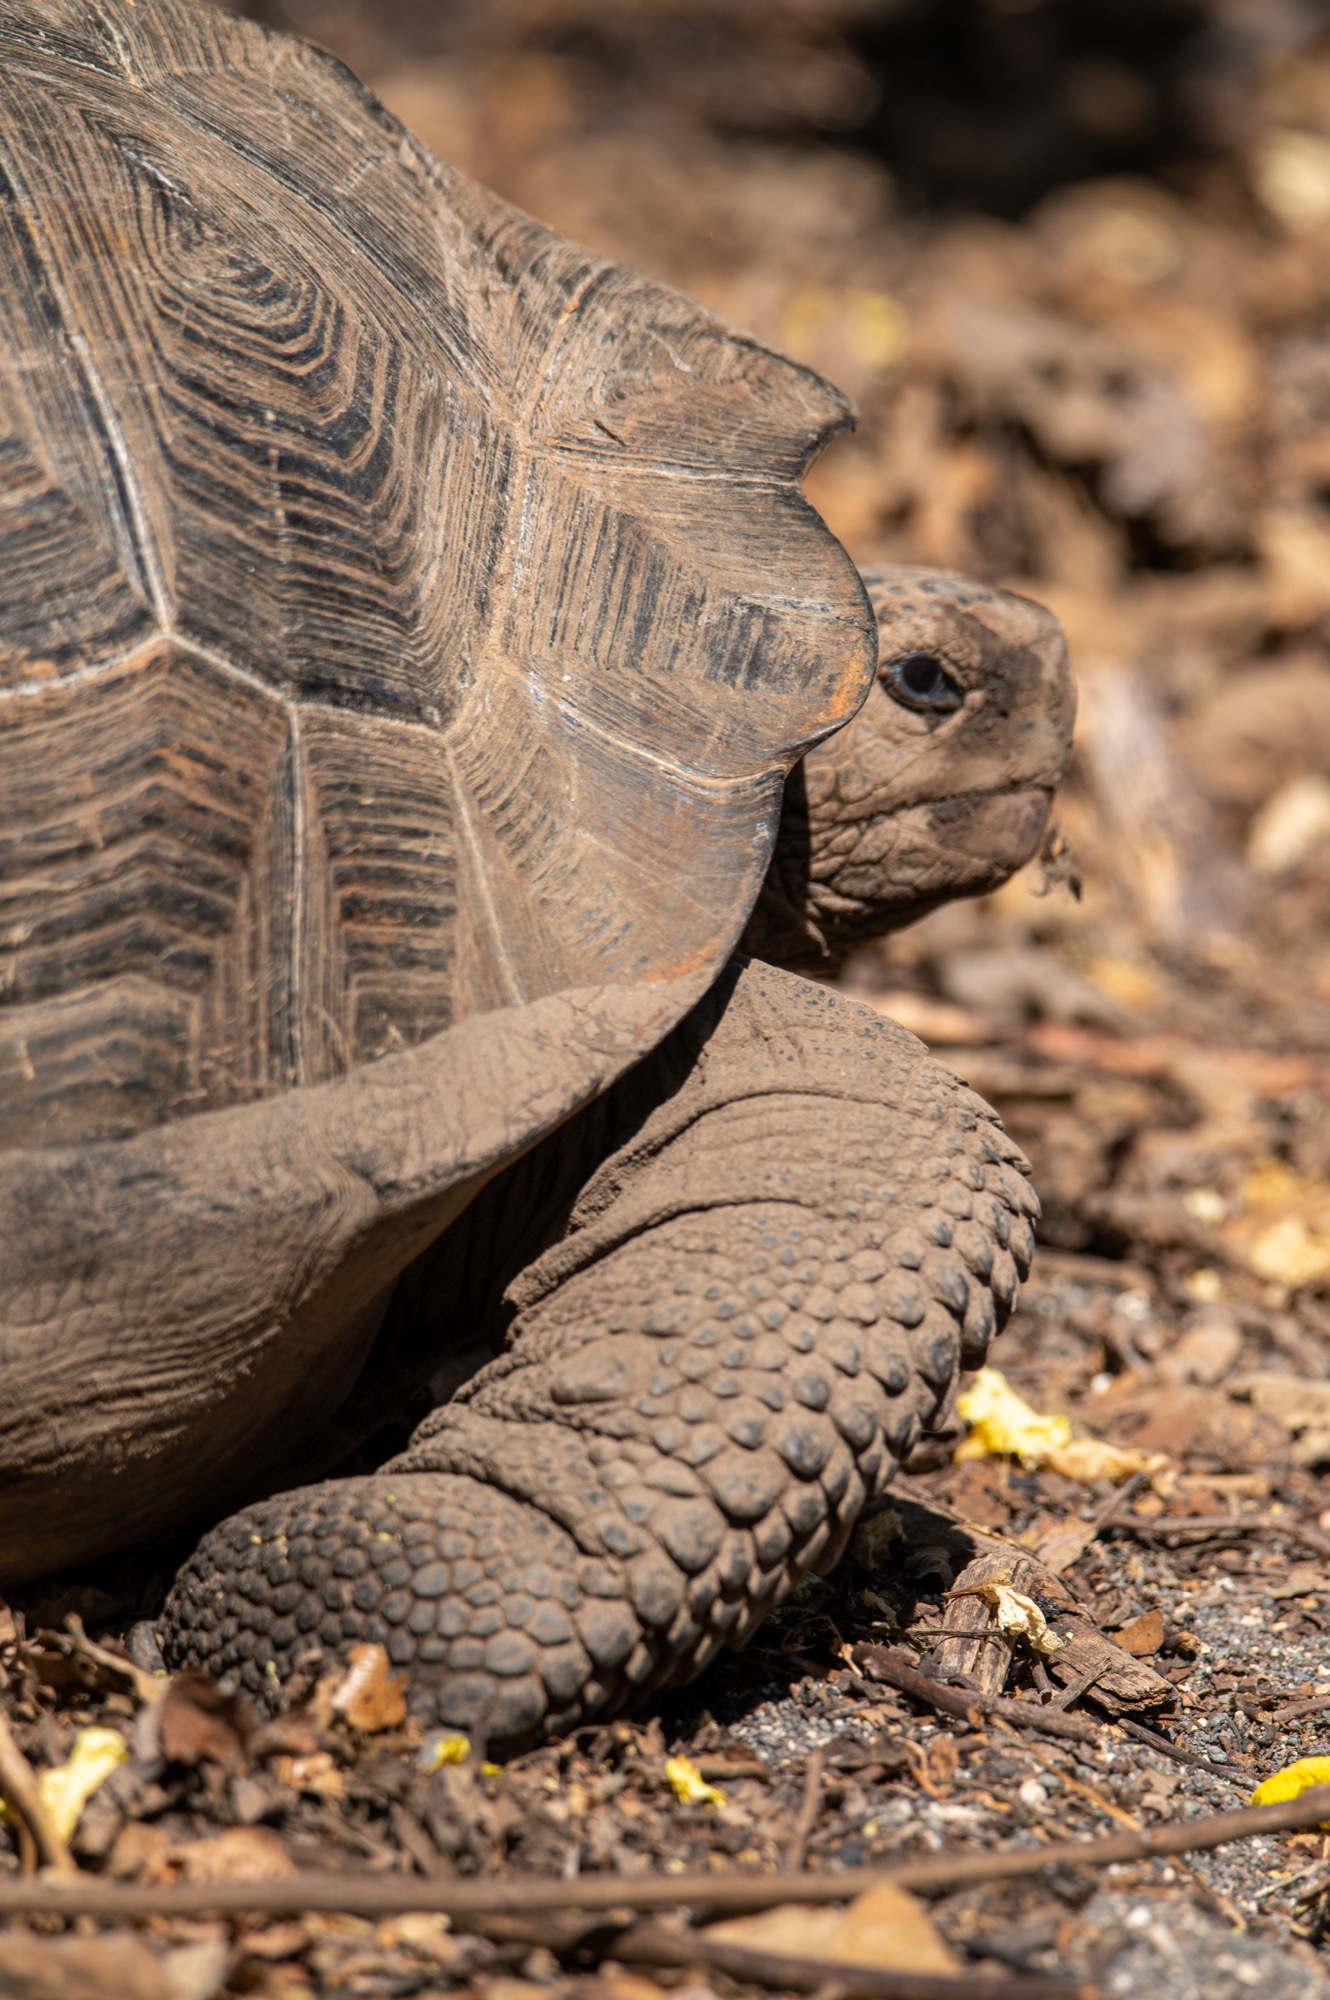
x,y
1293,1401
1205,1352
1087,1459
1291,176
316,1773
238,1854
688,1784
275,1941
140,1854
1057,1544
197,1721
1290,825
630,1985
1303,1580
430,1936
1002,1423
66,1790
885,1928
1290,1253
1217,1429
943,1759
366,1692
1021,1617
1143,1636
196,1971
80,1968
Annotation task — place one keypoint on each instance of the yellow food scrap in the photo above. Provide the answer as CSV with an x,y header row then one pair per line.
x,y
688,1784
449,1748
66,1788
1002,1424
1292,1782
1021,1616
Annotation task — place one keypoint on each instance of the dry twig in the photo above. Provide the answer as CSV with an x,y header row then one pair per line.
x,y
386,1895
1175,1753
810,1805
888,1664
18,1784
149,1688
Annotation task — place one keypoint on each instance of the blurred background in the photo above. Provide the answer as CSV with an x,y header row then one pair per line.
x,y
1072,260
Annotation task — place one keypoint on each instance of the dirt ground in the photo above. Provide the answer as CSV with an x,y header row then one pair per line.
x,y
1074,265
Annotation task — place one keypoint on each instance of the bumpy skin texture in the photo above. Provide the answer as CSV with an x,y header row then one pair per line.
x,y
793,1227
911,805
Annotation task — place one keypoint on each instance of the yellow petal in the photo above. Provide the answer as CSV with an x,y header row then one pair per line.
x,y
1292,1781
688,1784
450,1748
1002,1424
66,1789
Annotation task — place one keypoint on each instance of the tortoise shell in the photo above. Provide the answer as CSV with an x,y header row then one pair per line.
x,y
408,622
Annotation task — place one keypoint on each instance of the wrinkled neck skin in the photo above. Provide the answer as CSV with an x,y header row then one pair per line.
x,y
908,807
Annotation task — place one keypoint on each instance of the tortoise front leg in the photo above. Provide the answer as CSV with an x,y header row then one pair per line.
x,y
756,1302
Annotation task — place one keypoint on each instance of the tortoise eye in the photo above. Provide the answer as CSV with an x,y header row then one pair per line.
x,y
919,681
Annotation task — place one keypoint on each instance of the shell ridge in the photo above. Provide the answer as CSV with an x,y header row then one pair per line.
x,y
138,549
501,957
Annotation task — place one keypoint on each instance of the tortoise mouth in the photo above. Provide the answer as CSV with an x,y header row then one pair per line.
x,y
980,837
994,832
882,871
999,828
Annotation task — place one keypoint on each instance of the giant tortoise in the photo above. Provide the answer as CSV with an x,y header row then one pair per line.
x,y
409,623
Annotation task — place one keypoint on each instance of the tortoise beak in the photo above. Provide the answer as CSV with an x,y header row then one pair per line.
x,y
951,847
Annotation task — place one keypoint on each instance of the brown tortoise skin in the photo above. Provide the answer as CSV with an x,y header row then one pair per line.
x,y
754,1301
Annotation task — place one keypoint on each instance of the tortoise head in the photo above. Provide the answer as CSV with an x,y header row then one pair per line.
x,y
939,787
